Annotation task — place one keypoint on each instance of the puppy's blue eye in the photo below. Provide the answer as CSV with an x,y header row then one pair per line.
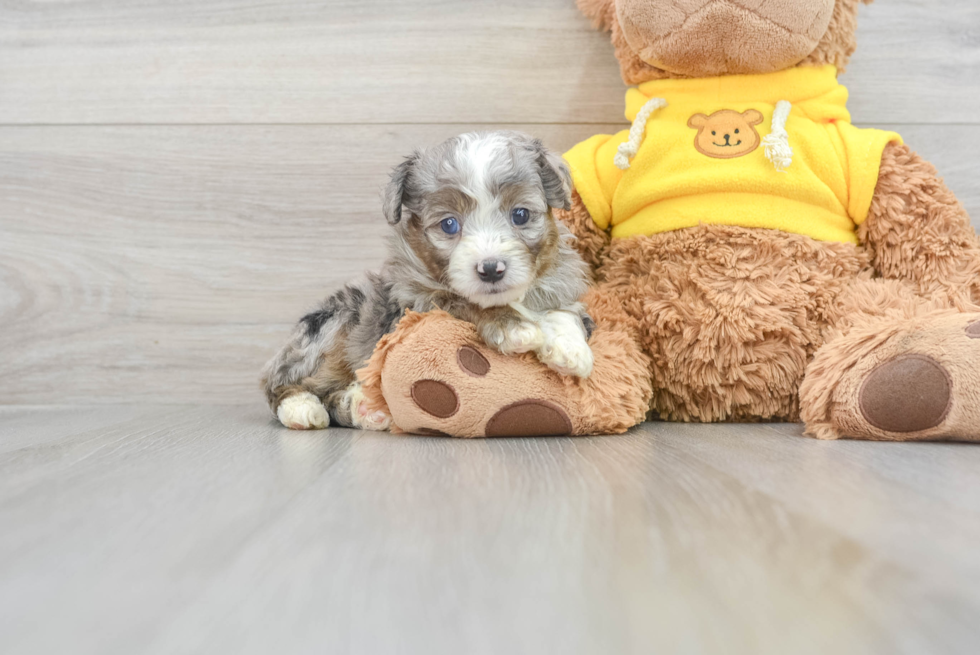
x,y
449,225
520,216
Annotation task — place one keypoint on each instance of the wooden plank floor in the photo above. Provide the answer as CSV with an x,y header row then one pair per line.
x,y
200,530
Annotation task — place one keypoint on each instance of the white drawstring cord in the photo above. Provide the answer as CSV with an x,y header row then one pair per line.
x,y
776,143
628,149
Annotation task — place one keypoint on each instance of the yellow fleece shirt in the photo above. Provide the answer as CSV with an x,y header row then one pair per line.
x,y
693,168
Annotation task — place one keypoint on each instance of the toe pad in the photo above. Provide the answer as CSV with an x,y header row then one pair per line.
x,y
435,398
909,393
472,362
529,418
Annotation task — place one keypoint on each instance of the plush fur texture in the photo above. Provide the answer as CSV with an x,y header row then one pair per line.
x,y
682,36
919,231
728,315
835,47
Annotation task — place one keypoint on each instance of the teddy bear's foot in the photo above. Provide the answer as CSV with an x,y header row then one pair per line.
x,y
912,380
466,389
435,376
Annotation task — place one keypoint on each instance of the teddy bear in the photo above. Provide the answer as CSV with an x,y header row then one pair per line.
x,y
756,256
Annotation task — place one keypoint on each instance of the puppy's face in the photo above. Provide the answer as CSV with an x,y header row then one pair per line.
x,y
476,212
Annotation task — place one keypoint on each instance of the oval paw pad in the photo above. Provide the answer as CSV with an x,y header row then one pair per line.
x,y
973,330
906,394
435,398
529,418
472,362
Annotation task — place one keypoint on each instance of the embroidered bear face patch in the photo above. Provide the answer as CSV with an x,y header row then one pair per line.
x,y
726,134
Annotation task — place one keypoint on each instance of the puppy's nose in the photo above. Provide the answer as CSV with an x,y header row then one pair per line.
x,y
491,270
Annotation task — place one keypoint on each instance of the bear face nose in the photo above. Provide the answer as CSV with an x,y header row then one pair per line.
x,y
491,270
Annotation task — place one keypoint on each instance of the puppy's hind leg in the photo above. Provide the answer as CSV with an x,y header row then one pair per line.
x,y
313,364
348,407
302,411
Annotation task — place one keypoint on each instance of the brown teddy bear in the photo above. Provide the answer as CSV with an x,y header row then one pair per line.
x,y
756,256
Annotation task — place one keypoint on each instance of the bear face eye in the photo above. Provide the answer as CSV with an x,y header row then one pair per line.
x,y
736,131
450,225
713,133
520,216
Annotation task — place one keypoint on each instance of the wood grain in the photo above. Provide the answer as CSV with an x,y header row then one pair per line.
x,y
191,529
373,61
166,264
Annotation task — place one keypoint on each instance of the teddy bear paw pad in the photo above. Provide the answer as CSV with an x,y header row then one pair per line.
x,y
472,362
529,418
435,398
909,393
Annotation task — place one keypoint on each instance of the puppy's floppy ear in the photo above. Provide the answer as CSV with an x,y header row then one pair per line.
x,y
555,176
394,194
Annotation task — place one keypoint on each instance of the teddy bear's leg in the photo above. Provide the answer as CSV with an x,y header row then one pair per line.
x,y
434,375
729,316
901,367
918,231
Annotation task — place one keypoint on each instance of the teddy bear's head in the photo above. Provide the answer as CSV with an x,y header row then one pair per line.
x,y
657,39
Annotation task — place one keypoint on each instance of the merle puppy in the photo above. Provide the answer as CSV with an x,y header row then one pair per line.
x,y
472,234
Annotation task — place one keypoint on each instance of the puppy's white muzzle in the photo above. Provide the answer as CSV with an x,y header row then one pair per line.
x,y
490,269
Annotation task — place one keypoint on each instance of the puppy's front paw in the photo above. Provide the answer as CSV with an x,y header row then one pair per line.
x,y
515,338
568,356
303,411
361,417
565,348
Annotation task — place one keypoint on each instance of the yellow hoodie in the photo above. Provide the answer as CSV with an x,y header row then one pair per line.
x,y
702,158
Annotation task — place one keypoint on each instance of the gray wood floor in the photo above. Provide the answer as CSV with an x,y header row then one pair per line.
x,y
181,179
193,530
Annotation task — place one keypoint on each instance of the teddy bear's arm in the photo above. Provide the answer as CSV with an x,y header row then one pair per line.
x,y
590,241
917,230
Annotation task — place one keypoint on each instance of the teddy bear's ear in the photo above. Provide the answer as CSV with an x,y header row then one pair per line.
x,y
697,121
752,117
394,193
602,13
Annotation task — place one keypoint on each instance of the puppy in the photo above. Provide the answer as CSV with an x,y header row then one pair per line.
x,y
473,234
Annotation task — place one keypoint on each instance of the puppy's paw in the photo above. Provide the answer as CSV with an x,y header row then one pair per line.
x,y
303,411
519,338
361,417
565,348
